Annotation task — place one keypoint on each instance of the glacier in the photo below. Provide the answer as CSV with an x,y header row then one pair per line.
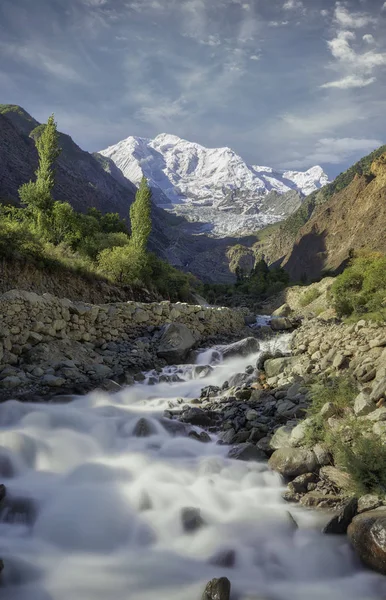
x,y
213,186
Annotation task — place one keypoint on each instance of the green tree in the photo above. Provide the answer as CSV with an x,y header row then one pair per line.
x,y
37,195
140,217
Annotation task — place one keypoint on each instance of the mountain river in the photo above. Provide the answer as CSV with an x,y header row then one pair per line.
x,y
94,512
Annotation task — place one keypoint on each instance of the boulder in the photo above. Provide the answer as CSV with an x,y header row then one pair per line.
x,y
291,462
246,452
338,525
196,416
379,390
368,502
275,366
282,323
336,478
244,347
299,433
283,311
367,534
175,343
143,428
191,519
217,589
281,437
363,404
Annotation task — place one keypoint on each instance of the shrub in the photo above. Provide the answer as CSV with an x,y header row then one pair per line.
x,y
308,297
364,458
361,289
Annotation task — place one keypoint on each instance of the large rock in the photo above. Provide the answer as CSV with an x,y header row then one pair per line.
x,y
217,589
244,347
282,323
291,462
246,452
363,404
275,366
338,525
367,534
283,311
175,343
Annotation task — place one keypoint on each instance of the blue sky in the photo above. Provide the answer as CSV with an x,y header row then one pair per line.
x,y
286,83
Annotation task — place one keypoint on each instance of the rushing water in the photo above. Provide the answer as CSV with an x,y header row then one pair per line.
x,y
94,513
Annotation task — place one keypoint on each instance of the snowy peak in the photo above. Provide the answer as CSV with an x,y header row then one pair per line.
x,y
186,174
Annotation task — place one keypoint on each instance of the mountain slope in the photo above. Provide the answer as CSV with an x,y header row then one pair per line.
x,y
187,177
351,219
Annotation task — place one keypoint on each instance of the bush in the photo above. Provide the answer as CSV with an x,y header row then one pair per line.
x,y
361,289
364,458
308,297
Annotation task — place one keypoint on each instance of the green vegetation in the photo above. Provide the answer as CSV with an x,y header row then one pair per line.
x,y
52,234
261,283
354,447
360,291
308,297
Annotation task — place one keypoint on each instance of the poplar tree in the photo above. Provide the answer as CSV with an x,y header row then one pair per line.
x,y
140,217
37,195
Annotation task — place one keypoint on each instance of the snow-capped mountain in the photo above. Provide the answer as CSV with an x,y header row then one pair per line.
x,y
187,177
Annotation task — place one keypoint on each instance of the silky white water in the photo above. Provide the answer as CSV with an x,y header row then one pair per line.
x,y
94,513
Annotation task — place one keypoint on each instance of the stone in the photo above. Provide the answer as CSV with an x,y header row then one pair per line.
x,y
320,500
283,311
338,525
379,390
175,343
300,484
328,410
275,366
336,478
291,462
191,519
368,502
281,324
53,381
201,371
101,371
298,434
251,415
217,589
367,534
11,382
143,428
196,416
246,452
363,405
378,414
323,455
200,437
281,437
224,558
243,347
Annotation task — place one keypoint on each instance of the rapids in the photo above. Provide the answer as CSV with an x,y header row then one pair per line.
x,y
94,513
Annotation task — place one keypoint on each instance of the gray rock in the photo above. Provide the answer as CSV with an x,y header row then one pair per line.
x,y
328,410
363,404
291,462
275,366
246,452
11,382
53,381
196,416
323,456
251,415
379,390
367,534
281,437
175,343
282,323
283,311
200,437
377,415
191,519
300,484
101,371
242,348
298,434
217,589
338,525
143,428
368,502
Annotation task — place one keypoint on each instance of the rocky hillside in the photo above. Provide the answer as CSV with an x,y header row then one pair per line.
x,y
350,220
279,245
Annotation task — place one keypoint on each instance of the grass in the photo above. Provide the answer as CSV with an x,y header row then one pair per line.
x,y
309,297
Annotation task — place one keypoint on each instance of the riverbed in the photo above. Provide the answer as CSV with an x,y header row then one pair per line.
x,y
94,512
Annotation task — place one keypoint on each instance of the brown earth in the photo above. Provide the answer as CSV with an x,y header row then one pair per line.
x,y
352,219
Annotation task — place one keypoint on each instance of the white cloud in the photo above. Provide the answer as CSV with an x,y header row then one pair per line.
x,y
368,38
338,150
353,20
356,69
292,5
351,81
324,13
384,6
254,57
